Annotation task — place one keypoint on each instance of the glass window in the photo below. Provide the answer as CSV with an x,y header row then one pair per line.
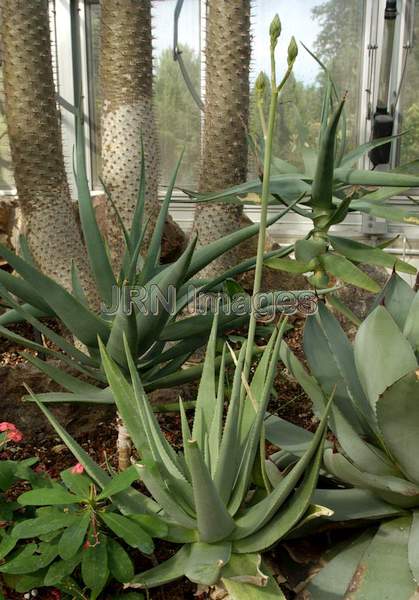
x,y
333,30
409,99
178,117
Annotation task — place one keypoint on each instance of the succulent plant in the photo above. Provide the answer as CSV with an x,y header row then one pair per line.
x,y
142,281
376,424
330,188
206,494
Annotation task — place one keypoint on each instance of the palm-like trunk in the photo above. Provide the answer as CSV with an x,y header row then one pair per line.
x,y
127,110
224,158
35,141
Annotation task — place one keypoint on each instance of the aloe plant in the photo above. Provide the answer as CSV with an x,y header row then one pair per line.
x,y
205,494
376,424
331,187
34,295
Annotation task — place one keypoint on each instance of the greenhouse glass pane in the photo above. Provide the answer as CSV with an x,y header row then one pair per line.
x,y
178,117
333,30
409,99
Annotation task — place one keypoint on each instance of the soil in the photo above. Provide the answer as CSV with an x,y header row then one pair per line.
x,y
95,429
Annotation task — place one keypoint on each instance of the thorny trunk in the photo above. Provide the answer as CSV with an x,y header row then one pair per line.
x,y
224,158
35,139
127,111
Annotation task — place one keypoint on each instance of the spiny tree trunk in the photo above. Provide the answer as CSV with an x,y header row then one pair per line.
x,y
35,141
224,158
127,111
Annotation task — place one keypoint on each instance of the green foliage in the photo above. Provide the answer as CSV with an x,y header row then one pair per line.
x,y
376,425
203,494
69,534
141,293
328,187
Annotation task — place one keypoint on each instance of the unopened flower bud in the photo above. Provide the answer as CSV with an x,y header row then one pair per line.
x,y
260,85
292,51
275,30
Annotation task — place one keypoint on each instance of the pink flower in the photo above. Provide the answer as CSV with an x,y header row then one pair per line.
x,y
5,426
78,469
86,545
14,435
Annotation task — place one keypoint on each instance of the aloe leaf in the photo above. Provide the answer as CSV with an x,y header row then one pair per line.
x,y
278,527
256,516
413,546
244,579
150,322
333,580
384,569
363,253
213,521
287,265
206,562
123,324
411,326
287,436
196,325
100,397
216,427
343,269
248,411
127,401
205,255
350,176
156,485
393,489
398,419
117,214
67,381
96,249
137,228
322,186
354,504
397,297
157,445
11,316
206,397
166,572
350,159
153,252
57,339
229,454
307,250
391,213
331,359
76,285
85,325
307,381
23,290
382,354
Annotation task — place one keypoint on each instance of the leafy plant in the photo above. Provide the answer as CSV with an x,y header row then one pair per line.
x,y
376,424
205,495
69,535
331,187
141,293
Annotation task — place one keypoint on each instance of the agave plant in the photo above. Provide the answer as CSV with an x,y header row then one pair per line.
x,y
141,282
205,495
376,424
331,187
